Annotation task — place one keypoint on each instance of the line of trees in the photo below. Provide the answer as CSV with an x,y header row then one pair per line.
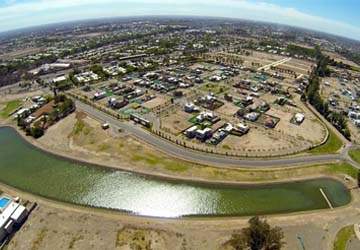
x,y
313,96
299,50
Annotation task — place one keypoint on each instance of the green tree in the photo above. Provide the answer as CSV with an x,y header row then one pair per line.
x,y
258,236
37,131
72,77
21,122
98,69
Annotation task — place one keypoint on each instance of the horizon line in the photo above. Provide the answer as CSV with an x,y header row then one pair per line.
x,y
173,16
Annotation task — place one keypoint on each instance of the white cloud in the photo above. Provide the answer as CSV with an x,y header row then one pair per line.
x,y
227,8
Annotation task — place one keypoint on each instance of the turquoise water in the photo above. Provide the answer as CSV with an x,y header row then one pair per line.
x,y
3,202
29,169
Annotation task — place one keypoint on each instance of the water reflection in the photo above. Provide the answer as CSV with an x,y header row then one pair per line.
x,y
34,171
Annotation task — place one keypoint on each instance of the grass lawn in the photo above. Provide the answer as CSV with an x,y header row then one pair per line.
x,y
355,155
343,237
80,126
246,174
154,160
332,145
10,106
342,168
215,88
355,68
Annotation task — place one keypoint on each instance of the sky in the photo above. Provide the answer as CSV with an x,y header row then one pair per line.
x,y
338,17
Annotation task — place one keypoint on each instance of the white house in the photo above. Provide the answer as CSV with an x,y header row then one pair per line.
x,y
99,95
253,116
299,118
12,215
242,128
59,79
191,132
189,107
203,134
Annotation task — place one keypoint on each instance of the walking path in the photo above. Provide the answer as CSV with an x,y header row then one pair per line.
x,y
274,64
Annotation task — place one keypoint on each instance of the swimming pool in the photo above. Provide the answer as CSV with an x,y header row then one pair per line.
x,y
3,202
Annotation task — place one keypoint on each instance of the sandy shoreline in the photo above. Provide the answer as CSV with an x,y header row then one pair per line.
x,y
195,230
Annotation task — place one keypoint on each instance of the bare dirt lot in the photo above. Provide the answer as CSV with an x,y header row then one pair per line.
x,y
158,101
176,122
340,58
87,231
258,57
227,109
310,130
258,140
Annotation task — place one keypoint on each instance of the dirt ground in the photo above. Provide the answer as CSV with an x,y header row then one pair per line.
x,y
340,58
58,135
310,130
86,231
176,122
300,63
299,66
228,109
296,68
258,140
158,101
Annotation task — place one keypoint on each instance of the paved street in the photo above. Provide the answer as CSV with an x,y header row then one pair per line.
x,y
183,153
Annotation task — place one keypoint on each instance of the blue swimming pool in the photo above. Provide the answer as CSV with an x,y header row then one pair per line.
x,y
3,202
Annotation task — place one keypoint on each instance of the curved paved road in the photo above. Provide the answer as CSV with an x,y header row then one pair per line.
x,y
187,154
